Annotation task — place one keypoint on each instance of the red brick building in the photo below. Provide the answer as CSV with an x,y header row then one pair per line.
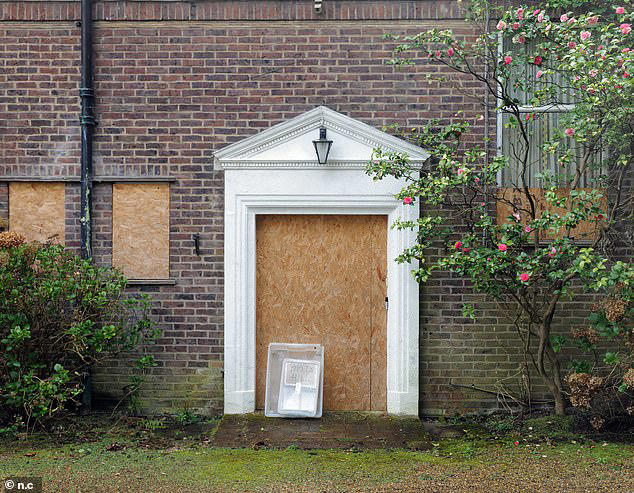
x,y
175,84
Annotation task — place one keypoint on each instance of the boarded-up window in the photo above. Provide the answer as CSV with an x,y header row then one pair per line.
x,y
36,210
515,200
140,230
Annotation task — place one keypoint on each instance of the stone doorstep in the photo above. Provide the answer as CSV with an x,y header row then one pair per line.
x,y
334,430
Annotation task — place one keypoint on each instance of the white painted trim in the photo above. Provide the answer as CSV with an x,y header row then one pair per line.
x,y
243,154
252,192
290,181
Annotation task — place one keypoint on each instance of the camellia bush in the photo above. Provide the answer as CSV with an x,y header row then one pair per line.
x,y
545,219
59,316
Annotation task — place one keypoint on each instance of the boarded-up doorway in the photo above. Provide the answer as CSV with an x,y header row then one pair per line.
x,y
321,279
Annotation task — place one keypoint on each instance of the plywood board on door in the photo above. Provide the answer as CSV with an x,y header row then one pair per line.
x,y
322,279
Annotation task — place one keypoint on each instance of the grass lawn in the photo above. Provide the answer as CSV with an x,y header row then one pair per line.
x,y
149,456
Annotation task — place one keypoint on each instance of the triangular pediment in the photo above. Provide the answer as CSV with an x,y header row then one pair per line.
x,y
290,144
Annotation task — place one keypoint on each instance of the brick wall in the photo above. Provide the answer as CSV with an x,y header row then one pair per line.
x,y
188,80
4,206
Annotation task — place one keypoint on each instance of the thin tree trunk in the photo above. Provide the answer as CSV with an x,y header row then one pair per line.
x,y
552,379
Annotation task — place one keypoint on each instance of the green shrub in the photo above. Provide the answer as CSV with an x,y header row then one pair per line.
x,y
59,315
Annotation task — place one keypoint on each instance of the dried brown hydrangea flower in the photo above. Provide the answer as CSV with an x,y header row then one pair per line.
x,y
628,378
585,332
583,386
614,308
597,423
10,239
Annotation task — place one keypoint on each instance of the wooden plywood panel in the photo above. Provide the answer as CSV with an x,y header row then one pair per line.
x,y
37,211
321,279
378,364
140,229
586,230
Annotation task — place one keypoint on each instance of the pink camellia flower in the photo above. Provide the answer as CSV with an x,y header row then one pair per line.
x,y
563,18
477,180
536,12
538,60
572,20
527,229
450,51
540,17
524,276
625,50
569,132
502,247
407,200
437,53
626,28
553,252
460,171
539,74
517,216
572,45
620,10
521,39
501,26
626,75
520,13
508,59
458,245
516,25
585,35
593,20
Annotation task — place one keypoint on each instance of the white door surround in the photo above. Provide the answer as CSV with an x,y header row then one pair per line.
x,y
276,172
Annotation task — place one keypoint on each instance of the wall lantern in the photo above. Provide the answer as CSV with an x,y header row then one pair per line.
x,y
322,146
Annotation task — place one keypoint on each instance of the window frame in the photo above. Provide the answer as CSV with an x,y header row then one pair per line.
x,y
499,115
544,109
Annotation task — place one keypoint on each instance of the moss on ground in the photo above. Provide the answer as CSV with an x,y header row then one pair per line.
x,y
92,466
123,456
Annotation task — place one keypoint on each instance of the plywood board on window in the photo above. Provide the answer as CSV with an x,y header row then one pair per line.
x,y
37,210
322,279
140,229
515,200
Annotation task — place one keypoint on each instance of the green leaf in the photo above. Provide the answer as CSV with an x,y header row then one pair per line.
x,y
558,342
611,358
